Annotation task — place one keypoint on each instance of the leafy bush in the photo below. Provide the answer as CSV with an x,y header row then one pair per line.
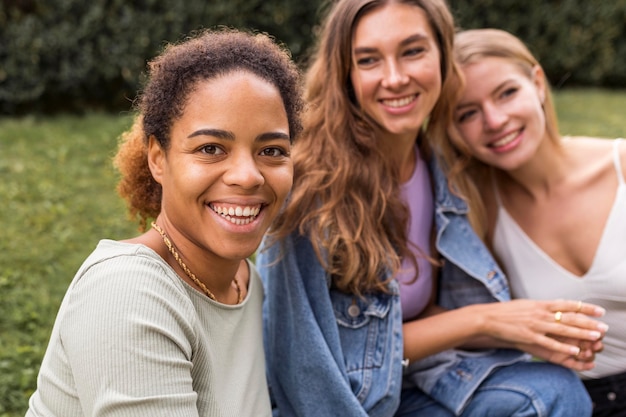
x,y
577,43
73,54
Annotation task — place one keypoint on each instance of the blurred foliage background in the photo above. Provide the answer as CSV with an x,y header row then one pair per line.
x,y
73,55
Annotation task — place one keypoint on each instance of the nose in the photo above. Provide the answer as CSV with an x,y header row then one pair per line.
x,y
243,171
493,117
394,75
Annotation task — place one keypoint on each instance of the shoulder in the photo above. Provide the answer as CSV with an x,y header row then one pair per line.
x,y
589,151
593,154
113,257
588,144
128,276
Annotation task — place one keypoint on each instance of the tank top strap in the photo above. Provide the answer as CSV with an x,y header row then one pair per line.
x,y
617,162
494,186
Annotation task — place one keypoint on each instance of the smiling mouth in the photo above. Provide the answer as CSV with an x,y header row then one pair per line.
x,y
238,215
505,140
399,102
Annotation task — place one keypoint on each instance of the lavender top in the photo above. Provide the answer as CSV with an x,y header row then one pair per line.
x,y
418,194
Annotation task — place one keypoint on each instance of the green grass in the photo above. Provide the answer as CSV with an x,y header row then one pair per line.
x,y
57,196
58,199
592,112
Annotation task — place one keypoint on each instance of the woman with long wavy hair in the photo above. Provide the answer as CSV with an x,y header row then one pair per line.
x,y
351,323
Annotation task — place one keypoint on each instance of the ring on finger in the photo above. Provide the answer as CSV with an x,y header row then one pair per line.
x,y
580,350
580,306
557,316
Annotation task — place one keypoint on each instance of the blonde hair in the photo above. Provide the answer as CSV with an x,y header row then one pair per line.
x,y
466,174
346,193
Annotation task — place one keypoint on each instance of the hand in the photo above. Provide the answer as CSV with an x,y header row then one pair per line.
x,y
584,361
544,328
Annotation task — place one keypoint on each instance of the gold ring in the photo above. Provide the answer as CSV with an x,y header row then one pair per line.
x,y
557,316
580,306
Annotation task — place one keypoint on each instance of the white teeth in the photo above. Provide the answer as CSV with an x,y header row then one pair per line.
x,y
235,214
399,102
505,140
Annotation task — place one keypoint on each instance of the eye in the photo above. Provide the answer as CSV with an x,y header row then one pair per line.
x,y
212,150
465,116
417,50
509,92
365,61
274,151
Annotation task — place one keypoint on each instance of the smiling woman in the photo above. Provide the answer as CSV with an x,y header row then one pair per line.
x,y
168,323
537,188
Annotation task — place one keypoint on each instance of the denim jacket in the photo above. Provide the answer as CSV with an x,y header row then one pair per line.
x,y
330,353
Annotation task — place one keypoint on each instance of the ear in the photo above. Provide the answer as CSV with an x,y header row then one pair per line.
x,y
156,159
539,79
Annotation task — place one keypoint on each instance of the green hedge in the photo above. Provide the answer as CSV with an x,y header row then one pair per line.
x,y
77,54
579,43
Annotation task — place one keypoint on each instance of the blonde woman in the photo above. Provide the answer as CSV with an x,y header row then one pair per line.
x,y
552,208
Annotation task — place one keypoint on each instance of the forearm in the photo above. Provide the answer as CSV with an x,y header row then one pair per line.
x,y
437,330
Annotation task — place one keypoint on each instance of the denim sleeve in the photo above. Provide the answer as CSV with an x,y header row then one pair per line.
x,y
324,351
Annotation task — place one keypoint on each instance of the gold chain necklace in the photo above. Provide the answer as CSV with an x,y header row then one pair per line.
x,y
190,274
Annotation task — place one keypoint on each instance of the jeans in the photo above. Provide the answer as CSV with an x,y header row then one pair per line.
x,y
524,389
608,395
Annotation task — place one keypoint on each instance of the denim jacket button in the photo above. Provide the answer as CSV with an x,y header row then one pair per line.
x,y
491,274
354,310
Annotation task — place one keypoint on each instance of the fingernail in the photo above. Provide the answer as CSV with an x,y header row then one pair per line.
x,y
595,335
600,311
603,327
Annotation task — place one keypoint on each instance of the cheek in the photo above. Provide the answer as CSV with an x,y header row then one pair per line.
x,y
359,85
468,133
428,73
280,180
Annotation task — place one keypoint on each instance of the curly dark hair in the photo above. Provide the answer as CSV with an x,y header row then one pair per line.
x,y
172,77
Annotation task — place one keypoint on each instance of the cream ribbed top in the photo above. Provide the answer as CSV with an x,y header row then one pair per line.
x,y
133,339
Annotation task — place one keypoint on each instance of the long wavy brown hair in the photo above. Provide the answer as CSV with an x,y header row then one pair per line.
x,y
346,195
466,174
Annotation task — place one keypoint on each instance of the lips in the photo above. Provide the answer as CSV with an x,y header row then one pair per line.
x,y
504,140
236,214
399,102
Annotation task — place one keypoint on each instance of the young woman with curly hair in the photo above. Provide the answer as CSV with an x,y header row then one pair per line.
x,y
168,323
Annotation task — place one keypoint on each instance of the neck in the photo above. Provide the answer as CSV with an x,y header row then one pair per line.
x,y
400,150
543,173
219,279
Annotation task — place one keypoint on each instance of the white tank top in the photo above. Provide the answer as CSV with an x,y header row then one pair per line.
x,y
533,274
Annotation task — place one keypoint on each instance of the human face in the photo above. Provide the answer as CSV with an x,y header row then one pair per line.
x,y
396,71
500,116
228,169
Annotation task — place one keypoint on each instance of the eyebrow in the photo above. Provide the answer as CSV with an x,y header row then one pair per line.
x,y
499,87
226,135
413,38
